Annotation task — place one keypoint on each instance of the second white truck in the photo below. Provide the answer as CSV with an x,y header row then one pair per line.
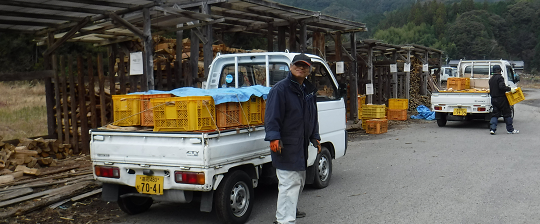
x,y
474,102
219,169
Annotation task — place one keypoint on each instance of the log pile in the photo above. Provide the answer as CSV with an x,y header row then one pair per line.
x,y
416,99
71,180
29,156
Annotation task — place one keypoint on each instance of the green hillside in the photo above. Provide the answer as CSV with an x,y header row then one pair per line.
x,y
462,28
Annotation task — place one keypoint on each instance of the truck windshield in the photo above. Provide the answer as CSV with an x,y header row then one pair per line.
x,y
252,74
478,71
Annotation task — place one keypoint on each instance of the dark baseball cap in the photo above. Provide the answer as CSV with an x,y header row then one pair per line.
x,y
303,58
497,68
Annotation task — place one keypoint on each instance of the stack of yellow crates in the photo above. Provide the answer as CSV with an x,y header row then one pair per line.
x,y
397,109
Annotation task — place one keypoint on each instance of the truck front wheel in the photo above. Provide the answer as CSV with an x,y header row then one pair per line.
x,y
134,205
323,166
234,198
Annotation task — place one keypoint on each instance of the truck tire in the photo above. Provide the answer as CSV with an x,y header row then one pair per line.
x,y
323,166
134,205
234,198
441,122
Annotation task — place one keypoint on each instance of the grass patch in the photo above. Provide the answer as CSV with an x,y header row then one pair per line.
x,y
23,111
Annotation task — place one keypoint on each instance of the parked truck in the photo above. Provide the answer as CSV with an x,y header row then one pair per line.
x,y
473,102
220,169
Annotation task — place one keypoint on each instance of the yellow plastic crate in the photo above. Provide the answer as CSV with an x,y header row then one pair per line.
x,y
370,111
253,111
147,115
398,104
126,110
193,113
516,97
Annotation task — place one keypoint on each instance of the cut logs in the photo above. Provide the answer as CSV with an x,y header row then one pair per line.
x,y
29,155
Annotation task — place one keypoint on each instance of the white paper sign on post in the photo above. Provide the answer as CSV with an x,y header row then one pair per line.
x,y
369,89
340,67
136,63
393,67
407,67
425,67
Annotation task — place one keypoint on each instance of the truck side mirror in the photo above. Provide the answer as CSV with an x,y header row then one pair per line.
x,y
342,90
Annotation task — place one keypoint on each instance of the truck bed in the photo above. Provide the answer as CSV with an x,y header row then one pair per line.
x,y
178,148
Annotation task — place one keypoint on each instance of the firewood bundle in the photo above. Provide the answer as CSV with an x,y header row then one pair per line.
x,y
28,156
416,99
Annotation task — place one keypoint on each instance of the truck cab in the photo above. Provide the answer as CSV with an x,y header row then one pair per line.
x,y
448,72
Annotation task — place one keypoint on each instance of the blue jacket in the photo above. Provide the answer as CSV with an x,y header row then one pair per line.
x,y
291,116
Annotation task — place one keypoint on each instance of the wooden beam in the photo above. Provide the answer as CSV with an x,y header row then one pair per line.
x,y
353,81
62,8
208,34
102,3
244,16
178,13
67,36
25,23
128,25
19,76
39,16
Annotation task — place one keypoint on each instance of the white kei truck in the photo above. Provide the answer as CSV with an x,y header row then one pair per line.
x,y
475,102
218,169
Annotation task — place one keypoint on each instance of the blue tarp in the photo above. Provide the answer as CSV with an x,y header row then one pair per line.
x,y
424,113
220,95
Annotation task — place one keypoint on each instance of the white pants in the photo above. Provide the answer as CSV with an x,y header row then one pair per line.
x,y
291,184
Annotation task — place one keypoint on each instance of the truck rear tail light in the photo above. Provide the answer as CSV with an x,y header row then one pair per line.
x,y
437,107
481,109
107,171
189,177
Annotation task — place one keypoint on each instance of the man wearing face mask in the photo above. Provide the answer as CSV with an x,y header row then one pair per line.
x,y
291,123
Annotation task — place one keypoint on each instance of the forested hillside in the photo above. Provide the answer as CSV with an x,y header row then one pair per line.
x,y
463,29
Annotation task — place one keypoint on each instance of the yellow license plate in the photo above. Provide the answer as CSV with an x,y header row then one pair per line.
x,y
460,112
149,184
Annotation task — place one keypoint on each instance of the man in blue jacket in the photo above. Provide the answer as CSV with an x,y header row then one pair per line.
x,y
497,90
291,124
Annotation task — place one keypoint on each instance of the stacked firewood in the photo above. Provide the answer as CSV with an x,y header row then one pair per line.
x,y
29,156
416,99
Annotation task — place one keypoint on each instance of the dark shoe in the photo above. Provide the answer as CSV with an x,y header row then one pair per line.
x,y
509,132
275,222
300,214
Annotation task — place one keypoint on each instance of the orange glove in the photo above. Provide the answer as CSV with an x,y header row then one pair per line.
x,y
317,144
275,146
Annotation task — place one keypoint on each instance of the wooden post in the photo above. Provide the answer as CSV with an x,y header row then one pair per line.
x,y
303,37
193,58
179,49
58,98
65,100
85,139
49,90
394,76
292,36
122,73
170,74
148,79
92,93
208,34
282,45
102,104
354,81
408,76
338,45
159,76
112,61
369,98
270,38
73,98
